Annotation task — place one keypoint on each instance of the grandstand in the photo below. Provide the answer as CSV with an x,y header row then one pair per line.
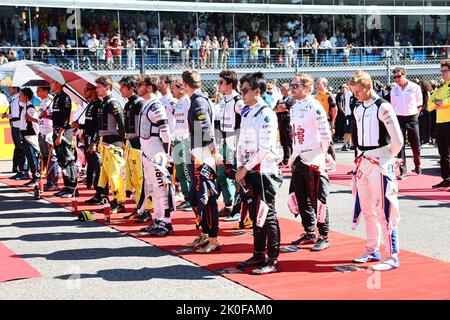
x,y
278,36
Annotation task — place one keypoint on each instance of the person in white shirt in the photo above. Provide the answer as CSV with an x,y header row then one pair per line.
x,y
20,165
93,45
407,100
289,52
311,140
29,128
182,143
325,48
258,173
177,45
53,31
45,136
373,186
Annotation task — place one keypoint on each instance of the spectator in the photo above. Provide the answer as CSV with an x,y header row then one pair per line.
x,y
225,52
289,52
3,59
207,44
215,52
166,51
245,45
12,55
109,56
325,49
176,49
315,50
53,34
307,52
131,54
93,44
254,47
116,48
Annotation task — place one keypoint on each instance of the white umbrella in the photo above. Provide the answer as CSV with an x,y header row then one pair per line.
x,y
20,71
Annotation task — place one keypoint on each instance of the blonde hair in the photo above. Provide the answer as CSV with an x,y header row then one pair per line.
x,y
360,77
306,80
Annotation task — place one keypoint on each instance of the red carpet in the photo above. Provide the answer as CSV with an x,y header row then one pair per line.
x,y
306,274
12,267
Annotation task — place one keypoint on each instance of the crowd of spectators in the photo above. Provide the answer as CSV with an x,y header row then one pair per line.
x,y
210,43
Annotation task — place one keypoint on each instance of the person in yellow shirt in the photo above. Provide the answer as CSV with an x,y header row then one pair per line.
x,y
254,48
440,100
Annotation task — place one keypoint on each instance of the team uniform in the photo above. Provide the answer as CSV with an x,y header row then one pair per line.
x,y
30,131
405,102
442,130
328,103
374,186
112,134
203,195
134,176
311,139
154,136
91,137
65,153
47,151
20,164
229,117
182,145
284,127
256,150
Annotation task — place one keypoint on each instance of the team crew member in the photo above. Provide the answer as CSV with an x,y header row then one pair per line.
x,y
311,140
374,187
154,135
329,104
167,99
134,177
258,173
62,140
112,135
284,127
347,143
91,139
229,116
182,143
20,165
203,196
45,135
29,128
440,100
407,100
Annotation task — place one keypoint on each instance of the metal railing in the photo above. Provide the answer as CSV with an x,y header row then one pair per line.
x,y
215,59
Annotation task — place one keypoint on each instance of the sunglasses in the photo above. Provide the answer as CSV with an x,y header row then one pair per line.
x,y
89,89
444,71
245,90
398,77
295,85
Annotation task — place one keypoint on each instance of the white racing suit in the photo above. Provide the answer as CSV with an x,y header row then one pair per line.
x,y
374,187
154,136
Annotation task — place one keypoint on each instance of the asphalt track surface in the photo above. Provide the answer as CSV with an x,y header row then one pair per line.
x,y
91,261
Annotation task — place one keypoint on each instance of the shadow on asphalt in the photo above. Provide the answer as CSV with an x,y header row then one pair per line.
x,y
51,223
99,253
177,272
62,236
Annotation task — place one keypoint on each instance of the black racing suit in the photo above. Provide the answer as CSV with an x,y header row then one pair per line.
x,y
65,153
255,185
203,196
90,135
